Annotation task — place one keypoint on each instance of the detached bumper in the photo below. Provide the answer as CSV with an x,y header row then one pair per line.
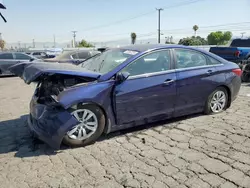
x,y
49,124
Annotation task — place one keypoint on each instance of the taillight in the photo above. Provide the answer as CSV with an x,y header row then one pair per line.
x,y
237,54
238,72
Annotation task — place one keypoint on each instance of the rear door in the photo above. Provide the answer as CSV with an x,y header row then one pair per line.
x,y
196,78
6,60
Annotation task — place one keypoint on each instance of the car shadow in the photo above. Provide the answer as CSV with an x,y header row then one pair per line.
x,y
16,136
169,123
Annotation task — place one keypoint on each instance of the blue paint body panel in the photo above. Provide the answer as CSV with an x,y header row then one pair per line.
x,y
135,101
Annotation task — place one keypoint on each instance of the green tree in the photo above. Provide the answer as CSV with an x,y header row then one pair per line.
x,y
219,37
193,41
195,28
2,44
85,44
133,38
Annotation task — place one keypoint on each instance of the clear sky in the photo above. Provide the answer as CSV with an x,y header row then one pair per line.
x,y
40,19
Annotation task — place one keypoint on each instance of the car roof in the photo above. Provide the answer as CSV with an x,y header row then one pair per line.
x,y
145,47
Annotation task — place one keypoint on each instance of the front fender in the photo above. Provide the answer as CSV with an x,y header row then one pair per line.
x,y
96,92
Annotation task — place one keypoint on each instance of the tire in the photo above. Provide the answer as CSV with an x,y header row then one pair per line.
x,y
245,77
73,142
246,73
208,106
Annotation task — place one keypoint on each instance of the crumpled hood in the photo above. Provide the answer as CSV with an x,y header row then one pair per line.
x,y
32,72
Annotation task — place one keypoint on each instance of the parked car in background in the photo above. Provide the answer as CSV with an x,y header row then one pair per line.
x,y
40,55
238,52
73,56
7,59
125,87
102,49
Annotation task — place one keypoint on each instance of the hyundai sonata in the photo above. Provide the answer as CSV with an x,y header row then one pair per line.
x,y
125,87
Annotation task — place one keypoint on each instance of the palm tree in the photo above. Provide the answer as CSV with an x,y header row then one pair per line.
x,y
2,44
195,28
133,38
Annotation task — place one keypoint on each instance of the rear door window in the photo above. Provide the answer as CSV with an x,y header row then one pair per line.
x,y
212,61
189,58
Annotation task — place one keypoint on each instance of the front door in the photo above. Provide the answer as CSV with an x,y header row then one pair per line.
x,y
149,93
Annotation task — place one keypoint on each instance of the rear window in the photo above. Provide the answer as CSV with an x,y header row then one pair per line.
x,y
240,43
6,56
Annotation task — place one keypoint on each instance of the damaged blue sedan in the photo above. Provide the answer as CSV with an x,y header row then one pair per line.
x,y
125,87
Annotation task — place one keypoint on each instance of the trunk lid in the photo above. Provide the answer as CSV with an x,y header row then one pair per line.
x,y
33,72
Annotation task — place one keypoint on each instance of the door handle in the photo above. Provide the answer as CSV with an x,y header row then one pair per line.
x,y
209,72
168,82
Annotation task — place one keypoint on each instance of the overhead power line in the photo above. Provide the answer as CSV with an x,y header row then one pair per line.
x,y
232,26
211,26
139,36
183,3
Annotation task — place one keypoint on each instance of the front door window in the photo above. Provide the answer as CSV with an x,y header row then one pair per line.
x,y
152,63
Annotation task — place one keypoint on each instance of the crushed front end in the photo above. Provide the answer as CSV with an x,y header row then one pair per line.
x,y
48,120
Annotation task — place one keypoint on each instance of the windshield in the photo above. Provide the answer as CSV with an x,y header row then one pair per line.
x,y
108,60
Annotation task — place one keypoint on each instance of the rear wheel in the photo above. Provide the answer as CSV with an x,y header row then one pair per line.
x,y
217,101
91,125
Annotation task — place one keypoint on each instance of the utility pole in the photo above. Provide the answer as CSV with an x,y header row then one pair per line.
x,y
242,34
74,38
19,45
159,24
33,42
54,40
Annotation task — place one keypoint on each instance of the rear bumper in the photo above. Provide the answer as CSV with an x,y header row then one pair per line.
x,y
49,124
236,84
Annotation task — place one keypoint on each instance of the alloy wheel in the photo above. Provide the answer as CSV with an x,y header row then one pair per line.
x,y
218,101
87,126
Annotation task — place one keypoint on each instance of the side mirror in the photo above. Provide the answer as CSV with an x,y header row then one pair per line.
x,y
32,59
122,76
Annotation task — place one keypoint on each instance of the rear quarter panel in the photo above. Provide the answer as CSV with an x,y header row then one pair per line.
x,y
232,81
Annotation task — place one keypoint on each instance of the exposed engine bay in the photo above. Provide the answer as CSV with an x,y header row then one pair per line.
x,y
49,87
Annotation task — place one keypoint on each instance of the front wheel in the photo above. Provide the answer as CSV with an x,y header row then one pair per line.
x,y
90,127
217,101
